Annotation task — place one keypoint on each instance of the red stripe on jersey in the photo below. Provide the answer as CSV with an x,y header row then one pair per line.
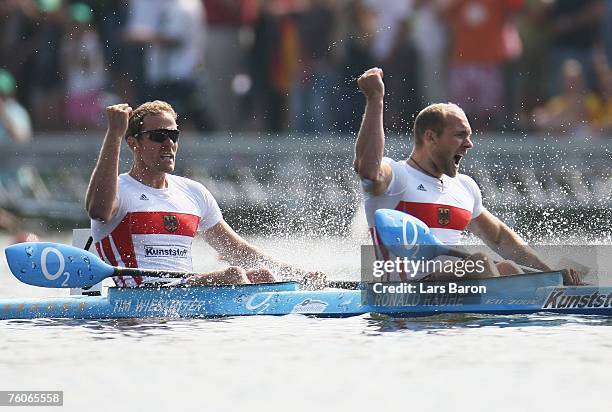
x,y
108,251
372,232
123,242
117,279
381,251
159,223
99,250
437,215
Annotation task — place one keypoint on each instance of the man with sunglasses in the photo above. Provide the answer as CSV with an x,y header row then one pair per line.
x,y
149,217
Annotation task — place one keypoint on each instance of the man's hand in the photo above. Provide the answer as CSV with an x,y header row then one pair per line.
x,y
570,277
371,84
314,281
118,116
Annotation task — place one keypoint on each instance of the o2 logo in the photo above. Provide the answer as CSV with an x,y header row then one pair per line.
x,y
62,265
258,307
411,244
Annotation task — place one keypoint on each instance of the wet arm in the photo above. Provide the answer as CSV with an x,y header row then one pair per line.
x,y
503,240
370,145
101,198
233,249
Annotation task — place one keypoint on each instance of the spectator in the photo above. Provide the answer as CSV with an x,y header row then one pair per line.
x,y
430,38
606,30
44,65
17,27
15,125
83,68
478,53
123,60
532,87
171,31
574,27
356,57
311,102
603,123
229,37
274,63
574,110
394,51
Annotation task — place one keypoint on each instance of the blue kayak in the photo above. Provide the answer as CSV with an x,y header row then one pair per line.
x,y
529,293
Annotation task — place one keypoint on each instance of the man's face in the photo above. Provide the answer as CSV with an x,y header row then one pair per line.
x,y
449,148
155,156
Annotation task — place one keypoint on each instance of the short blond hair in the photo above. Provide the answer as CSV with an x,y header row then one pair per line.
x,y
148,108
433,117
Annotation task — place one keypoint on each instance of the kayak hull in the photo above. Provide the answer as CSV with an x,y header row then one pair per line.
x,y
531,293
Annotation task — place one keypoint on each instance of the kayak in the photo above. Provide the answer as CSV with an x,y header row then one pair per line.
x,y
55,265
520,294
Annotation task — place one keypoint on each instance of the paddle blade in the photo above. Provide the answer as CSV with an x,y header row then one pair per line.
x,y
405,235
53,265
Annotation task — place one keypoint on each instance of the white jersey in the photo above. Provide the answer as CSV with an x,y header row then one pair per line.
x,y
446,205
154,228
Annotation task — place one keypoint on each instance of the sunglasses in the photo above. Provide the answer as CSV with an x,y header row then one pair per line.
x,y
160,135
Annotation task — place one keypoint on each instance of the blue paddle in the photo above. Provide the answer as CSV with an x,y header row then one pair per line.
x,y
407,236
53,265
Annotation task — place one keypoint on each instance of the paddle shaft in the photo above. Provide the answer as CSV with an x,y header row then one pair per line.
x,y
340,284
150,272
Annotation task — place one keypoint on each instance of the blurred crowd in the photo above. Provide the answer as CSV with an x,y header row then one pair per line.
x,y
291,65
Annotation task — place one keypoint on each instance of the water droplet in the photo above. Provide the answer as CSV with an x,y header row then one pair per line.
x,y
86,260
34,265
29,251
80,272
71,259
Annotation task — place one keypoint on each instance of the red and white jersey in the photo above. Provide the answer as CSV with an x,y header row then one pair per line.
x,y
154,228
446,205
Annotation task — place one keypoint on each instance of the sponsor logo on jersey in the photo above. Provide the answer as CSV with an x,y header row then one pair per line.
x,y
443,216
421,188
143,197
170,223
166,251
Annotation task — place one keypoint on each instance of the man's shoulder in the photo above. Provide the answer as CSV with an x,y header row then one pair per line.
x,y
464,178
397,166
187,183
467,181
391,161
125,179
181,179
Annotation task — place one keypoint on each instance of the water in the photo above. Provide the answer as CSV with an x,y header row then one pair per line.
x,y
296,363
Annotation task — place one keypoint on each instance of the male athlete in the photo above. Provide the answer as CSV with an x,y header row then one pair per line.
x,y
148,218
428,186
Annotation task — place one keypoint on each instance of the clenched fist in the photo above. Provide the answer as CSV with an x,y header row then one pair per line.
x,y
371,84
118,116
